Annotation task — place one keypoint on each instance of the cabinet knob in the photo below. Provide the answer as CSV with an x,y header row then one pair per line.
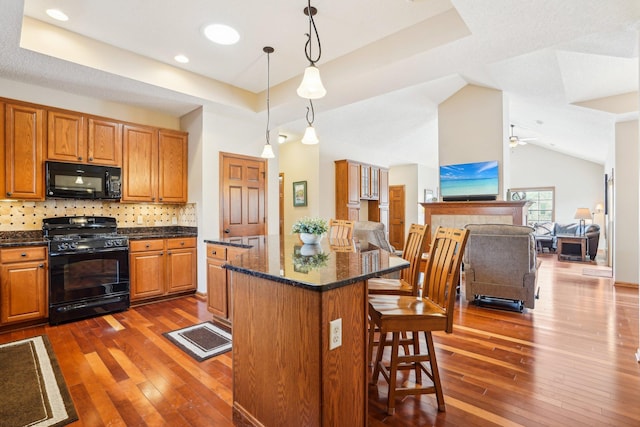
x,y
213,252
91,159
80,158
160,198
41,265
168,252
181,243
23,254
153,199
9,193
147,245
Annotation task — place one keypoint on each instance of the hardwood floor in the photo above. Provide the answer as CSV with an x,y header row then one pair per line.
x,y
568,362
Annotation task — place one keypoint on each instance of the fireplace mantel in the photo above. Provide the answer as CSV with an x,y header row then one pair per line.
x,y
459,214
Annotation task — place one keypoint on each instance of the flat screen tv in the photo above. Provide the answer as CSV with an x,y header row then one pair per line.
x,y
469,181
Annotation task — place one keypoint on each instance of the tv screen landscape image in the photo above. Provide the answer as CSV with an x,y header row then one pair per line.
x,y
469,180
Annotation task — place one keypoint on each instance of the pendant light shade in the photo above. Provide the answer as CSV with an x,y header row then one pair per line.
x,y
311,86
267,151
310,137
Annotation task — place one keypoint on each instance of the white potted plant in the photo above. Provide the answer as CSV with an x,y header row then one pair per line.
x,y
310,229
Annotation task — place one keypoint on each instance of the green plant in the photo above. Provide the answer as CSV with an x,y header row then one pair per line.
x,y
310,225
304,264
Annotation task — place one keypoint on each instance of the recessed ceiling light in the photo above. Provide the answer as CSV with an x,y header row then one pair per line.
x,y
181,59
57,14
221,34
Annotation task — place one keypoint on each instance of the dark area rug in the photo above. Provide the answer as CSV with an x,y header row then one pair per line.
x,y
202,341
33,389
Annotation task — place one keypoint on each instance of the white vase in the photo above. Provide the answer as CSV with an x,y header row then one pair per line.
x,y
309,238
310,249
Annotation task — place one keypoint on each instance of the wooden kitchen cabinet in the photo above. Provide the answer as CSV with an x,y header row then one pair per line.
x,y
76,138
162,267
347,190
23,284
140,164
154,165
357,181
66,136
25,129
218,280
172,166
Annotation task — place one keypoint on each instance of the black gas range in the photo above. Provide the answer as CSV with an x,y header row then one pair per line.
x,y
88,267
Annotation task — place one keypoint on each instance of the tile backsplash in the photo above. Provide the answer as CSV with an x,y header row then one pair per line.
x,y
16,215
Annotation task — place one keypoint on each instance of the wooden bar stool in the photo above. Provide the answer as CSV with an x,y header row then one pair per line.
x,y
410,315
407,284
341,229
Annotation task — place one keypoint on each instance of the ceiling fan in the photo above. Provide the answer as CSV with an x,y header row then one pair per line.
x,y
514,140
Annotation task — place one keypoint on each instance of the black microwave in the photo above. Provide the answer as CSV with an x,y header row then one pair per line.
x,y
80,181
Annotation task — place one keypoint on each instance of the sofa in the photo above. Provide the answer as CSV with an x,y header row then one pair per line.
x,y
500,263
546,236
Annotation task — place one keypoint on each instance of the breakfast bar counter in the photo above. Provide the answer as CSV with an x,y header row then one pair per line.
x,y
300,332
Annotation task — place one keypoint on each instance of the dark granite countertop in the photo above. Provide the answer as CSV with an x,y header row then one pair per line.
x,y
140,233
334,267
34,237
233,242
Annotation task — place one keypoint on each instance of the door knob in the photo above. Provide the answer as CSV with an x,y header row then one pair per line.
x,y
227,230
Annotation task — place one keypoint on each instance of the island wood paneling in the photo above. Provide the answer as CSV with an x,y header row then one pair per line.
x,y
284,372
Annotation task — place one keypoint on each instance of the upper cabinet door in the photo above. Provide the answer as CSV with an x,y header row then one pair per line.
x,y
66,137
140,164
172,166
105,142
25,133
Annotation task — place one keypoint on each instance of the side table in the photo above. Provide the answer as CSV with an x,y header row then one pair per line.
x,y
572,248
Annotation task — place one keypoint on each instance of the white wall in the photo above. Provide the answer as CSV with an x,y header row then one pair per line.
x,y
299,162
625,262
471,128
578,183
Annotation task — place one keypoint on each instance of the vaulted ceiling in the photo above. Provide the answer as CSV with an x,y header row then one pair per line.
x,y
569,69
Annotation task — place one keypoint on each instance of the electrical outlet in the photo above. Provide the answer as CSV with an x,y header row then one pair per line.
x,y
335,333
139,219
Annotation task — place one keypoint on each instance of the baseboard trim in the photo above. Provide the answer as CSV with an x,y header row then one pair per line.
x,y
626,284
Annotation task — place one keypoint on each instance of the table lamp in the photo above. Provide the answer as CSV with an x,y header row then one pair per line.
x,y
582,214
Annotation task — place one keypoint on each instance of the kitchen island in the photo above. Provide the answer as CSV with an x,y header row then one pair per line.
x,y
300,332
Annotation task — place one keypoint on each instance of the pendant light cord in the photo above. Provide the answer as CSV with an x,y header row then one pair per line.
x,y
268,85
312,24
313,114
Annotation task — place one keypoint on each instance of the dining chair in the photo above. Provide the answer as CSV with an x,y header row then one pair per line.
x,y
341,229
407,284
410,315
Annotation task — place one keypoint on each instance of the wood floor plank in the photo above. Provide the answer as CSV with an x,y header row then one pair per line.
x,y
569,362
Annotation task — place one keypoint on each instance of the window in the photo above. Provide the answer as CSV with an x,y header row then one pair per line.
x,y
542,208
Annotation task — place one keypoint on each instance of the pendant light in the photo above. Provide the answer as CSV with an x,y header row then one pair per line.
x,y
267,151
311,86
310,137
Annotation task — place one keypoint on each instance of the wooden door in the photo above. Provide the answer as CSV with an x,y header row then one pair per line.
x,y
172,166
104,142
396,216
25,131
66,137
243,189
140,164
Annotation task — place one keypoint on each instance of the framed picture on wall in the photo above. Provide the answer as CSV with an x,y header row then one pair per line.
x,y
300,193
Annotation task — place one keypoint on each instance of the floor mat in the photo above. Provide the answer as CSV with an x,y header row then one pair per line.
x,y
202,341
